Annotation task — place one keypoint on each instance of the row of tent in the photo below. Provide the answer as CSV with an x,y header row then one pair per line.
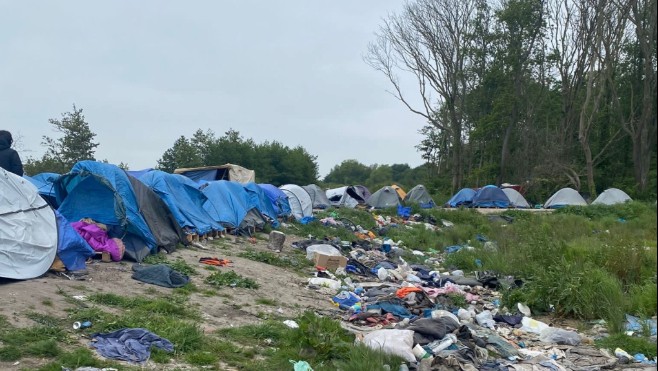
x,y
147,209
493,197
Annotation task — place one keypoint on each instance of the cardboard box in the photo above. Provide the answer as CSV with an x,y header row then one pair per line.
x,y
329,261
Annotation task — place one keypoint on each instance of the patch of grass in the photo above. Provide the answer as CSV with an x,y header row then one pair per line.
x,y
47,302
43,319
79,357
630,344
296,262
10,353
231,279
44,348
201,358
266,301
643,299
41,340
188,289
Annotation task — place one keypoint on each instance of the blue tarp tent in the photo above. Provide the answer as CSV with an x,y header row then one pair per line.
x,y
44,184
103,192
259,198
490,196
229,204
184,200
461,198
138,173
72,249
278,198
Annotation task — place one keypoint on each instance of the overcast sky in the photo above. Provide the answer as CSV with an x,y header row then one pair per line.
x,y
147,72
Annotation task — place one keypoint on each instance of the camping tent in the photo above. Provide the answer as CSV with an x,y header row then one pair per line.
x,y
400,191
565,197
26,233
300,202
44,184
104,193
348,196
231,172
384,198
462,198
278,198
229,204
515,198
184,199
28,229
612,196
260,199
318,196
419,195
490,196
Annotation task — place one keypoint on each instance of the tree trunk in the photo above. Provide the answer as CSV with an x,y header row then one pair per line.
x,y
589,165
504,153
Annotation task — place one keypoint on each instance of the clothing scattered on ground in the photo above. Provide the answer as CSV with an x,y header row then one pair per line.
x,y
159,274
129,344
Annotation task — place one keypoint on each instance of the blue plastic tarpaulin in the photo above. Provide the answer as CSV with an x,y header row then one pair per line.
x,y
462,198
184,199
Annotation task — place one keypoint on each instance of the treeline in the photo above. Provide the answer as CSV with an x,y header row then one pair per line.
x,y
545,93
351,172
273,162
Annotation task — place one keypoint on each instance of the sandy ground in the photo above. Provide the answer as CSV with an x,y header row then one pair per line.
x,y
231,307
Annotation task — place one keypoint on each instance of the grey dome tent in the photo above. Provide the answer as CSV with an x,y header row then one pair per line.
x,y
384,198
515,198
318,196
28,229
612,196
419,195
565,197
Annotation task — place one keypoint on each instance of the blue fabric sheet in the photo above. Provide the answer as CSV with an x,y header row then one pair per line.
x,y
129,344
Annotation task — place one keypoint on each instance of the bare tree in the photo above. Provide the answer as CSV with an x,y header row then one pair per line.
x,y
428,40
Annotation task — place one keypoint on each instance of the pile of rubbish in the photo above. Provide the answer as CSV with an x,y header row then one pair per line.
x,y
436,319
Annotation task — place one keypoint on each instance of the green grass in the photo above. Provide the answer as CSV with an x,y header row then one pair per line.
x,y
296,261
630,344
230,279
266,301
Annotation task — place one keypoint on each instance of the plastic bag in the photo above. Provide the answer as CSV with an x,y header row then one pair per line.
x,y
485,319
322,249
382,274
326,282
392,341
534,326
555,335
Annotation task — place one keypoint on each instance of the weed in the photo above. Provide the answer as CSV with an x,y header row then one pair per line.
x,y
276,260
266,301
231,279
80,357
630,344
178,265
47,302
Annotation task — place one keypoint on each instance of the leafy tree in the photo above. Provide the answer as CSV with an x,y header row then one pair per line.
x,y
76,143
182,154
348,172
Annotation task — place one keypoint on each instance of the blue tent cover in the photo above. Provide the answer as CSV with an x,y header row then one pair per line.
x,y
490,196
462,198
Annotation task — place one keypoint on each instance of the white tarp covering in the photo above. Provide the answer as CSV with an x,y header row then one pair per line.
x,y
28,229
300,202
515,198
612,196
565,197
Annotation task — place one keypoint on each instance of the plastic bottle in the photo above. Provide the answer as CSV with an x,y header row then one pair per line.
x,y
438,346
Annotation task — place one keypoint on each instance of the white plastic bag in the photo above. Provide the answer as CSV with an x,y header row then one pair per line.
x,y
382,274
325,282
554,335
322,249
392,341
534,326
485,319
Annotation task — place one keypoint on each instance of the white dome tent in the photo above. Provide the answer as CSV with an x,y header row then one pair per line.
x,y
565,197
28,229
301,204
612,196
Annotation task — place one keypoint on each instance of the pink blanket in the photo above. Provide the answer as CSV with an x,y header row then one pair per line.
x,y
99,240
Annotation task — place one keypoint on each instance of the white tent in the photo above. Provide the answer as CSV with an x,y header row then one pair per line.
x,y
384,198
515,198
301,204
28,229
565,197
612,196
339,197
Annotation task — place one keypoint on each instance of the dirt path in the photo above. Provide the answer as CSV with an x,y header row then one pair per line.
x,y
285,289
